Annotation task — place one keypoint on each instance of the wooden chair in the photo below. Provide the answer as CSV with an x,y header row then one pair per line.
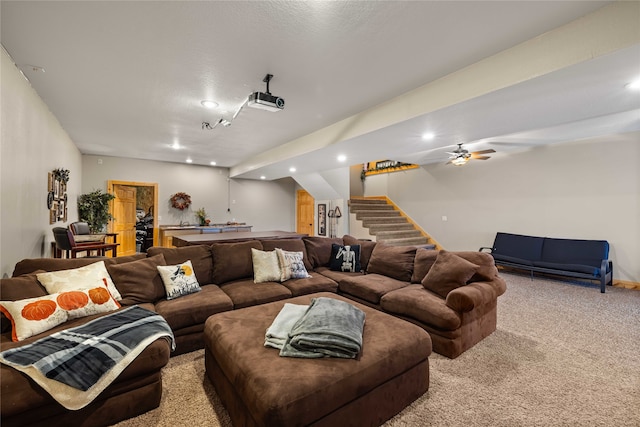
x,y
65,242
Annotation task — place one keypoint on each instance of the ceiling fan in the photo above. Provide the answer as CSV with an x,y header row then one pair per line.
x,y
460,156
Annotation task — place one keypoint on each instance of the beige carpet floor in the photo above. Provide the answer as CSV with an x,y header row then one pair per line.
x,y
563,355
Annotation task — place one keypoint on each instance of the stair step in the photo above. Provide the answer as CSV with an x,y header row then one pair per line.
x,y
376,213
377,228
399,234
369,221
359,207
405,241
367,201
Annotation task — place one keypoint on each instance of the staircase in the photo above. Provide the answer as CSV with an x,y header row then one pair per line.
x,y
386,223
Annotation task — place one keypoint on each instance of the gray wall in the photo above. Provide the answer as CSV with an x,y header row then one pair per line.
x,y
267,205
32,144
584,190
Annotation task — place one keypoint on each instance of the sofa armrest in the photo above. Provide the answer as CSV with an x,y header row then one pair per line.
x,y
475,294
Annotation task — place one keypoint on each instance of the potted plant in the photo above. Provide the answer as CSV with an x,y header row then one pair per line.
x,y
202,217
93,208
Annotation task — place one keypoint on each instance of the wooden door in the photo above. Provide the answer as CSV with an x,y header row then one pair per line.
x,y
124,218
305,213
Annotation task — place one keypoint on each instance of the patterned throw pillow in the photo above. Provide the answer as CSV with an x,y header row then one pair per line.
x,y
179,279
291,265
78,278
35,315
265,266
345,258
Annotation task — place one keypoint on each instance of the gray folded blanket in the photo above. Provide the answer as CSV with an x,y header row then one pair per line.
x,y
329,328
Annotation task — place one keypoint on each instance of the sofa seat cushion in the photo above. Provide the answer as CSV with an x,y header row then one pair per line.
x,y
233,261
576,268
392,261
245,293
416,302
336,276
513,260
200,257
310,285
194,308
370,287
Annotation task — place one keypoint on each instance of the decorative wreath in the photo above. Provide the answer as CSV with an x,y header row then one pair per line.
x,y
180,201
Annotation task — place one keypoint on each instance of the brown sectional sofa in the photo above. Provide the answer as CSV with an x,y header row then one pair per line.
x,y
390,281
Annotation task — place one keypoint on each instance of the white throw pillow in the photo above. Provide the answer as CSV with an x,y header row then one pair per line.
x,y
265,266
291,265
179,279
86,277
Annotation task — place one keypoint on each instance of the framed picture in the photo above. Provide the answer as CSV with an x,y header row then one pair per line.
x,y
322,219
53,213
56,188
50,182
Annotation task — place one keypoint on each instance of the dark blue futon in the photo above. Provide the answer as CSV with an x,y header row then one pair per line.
x,y
585,259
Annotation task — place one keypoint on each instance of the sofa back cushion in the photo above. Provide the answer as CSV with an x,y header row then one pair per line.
x,y
449,272
319,249
232,261
139,281
27,266
392,261
366,249
425,258
518,246
573,251
200,257
289,245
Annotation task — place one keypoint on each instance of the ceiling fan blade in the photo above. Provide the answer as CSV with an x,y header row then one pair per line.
x,y
490,150
480,157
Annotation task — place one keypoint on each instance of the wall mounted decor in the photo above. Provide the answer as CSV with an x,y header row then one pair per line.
x,y
322,219
180,201
57,195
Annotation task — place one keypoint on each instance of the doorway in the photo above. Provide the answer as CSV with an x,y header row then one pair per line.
x,y
305,205
129,196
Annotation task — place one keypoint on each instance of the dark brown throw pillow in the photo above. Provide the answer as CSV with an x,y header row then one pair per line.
x,y
232,261
366,249
392,261
17,288
449,272
139,281
423,262
319,249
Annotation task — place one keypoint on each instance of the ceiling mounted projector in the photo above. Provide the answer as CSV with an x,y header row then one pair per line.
x,y
264,100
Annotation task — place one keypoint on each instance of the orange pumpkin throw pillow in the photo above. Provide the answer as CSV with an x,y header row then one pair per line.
x,y
33,315
36,315
448,273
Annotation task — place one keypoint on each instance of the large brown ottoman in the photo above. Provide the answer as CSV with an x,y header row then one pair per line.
x,y
260,388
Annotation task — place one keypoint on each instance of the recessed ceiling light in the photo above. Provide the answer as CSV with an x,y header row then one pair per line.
x,y
189,161
634,85
175,146
263,177
292,169
428,136
209,104
213,163
342,158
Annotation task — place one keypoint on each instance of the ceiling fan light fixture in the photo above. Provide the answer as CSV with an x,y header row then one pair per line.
x,y
459,161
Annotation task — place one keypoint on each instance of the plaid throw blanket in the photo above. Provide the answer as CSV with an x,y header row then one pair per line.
x,y
77,364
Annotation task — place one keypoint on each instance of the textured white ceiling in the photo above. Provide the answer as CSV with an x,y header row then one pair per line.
x,y
126,78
